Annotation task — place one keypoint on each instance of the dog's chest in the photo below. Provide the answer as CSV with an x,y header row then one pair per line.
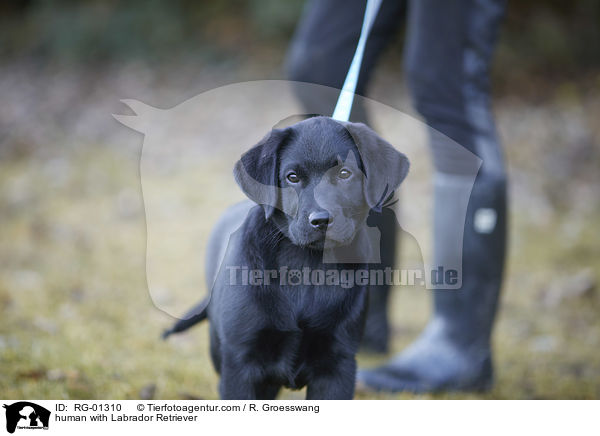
x,y
311,290
291,356
315,320
309,314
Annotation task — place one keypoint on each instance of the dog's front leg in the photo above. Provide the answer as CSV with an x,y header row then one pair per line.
x,y
232,389
337,383
236,382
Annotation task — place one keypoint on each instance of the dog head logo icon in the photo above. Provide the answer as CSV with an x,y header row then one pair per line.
x,y
26,415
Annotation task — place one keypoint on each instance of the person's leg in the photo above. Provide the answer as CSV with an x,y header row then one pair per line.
x,y
321,53
324,44
448,53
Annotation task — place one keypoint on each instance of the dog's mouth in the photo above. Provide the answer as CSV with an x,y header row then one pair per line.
x,y
315,245
323,244
326,240
338,234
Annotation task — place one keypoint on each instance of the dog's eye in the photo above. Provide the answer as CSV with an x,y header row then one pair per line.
x,y
344,173
292,177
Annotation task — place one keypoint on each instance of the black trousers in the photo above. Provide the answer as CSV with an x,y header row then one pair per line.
x,y
449,46
447,54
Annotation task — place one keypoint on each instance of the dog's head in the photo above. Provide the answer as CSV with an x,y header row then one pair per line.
x,y
318,179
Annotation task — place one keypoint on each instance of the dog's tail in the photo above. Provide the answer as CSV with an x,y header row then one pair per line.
x,y
192,317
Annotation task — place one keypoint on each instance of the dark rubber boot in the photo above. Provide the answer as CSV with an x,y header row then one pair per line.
x,y
377,329
454,351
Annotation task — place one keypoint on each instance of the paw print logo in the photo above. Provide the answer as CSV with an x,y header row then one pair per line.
x,y
294,277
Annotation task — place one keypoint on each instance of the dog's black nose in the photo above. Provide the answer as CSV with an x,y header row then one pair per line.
x,y
320,220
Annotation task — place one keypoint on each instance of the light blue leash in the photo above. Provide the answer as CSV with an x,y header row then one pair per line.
x,y
344,103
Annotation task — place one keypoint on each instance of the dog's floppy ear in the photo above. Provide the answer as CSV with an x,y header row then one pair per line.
x,y
257,172
385,167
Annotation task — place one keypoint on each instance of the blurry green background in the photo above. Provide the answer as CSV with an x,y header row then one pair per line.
x,y
76,317
553,38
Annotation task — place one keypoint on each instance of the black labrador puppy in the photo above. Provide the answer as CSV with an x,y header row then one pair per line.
x,y
289,270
